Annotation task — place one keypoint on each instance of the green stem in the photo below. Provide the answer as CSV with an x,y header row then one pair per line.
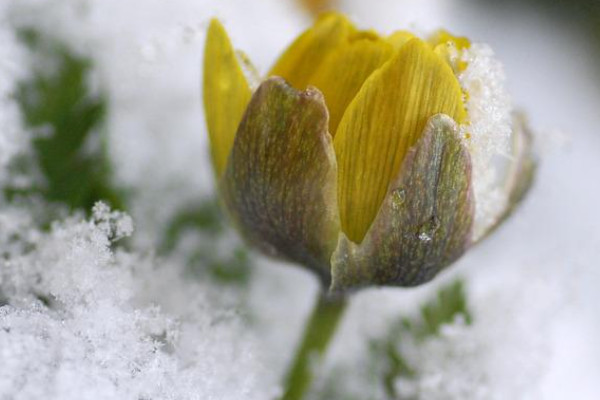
x,y
317,335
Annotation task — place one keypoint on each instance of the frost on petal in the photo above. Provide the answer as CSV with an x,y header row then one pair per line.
x,y
489,133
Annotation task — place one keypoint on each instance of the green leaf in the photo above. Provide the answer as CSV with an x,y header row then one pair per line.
x,y
387,362
72,153
234,270
205,217
207,220
449,303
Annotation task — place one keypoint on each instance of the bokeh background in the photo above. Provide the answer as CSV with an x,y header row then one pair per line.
x,y
180,308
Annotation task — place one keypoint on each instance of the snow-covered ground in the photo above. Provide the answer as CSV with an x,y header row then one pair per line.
x,y
129,324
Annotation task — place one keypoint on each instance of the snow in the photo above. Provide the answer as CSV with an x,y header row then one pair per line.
x,y
90,310
489,132
86,322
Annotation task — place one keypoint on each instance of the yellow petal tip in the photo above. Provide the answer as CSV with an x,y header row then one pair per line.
x,y
226,93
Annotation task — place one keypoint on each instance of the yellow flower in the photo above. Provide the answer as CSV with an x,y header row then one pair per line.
x,y
348,158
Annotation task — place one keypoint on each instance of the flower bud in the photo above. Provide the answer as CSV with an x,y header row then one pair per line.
x,y
363,158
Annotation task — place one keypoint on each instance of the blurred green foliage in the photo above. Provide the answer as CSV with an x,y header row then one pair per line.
x,y
449,303
231,266
70,150
234,269
206,217
70,155
387,363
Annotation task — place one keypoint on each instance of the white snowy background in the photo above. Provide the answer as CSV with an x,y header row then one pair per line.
x,y
130,324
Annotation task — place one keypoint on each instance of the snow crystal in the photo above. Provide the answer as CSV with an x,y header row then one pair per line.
x,y
72,326
114,224
488,132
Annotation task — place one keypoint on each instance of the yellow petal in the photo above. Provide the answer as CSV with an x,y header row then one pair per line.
x,y
345,70
383,121
449,47
399,38
226,93
305,56
443,36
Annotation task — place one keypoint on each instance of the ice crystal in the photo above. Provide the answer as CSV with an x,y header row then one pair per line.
x,y
81,321
488,131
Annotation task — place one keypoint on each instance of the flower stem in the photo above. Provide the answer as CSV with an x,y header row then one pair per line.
x,y
317,336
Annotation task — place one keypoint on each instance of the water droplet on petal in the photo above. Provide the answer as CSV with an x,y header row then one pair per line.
x,y
398,198
427,231
424,237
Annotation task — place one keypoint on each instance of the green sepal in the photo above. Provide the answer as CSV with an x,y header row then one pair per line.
x,y
280,182
425,222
